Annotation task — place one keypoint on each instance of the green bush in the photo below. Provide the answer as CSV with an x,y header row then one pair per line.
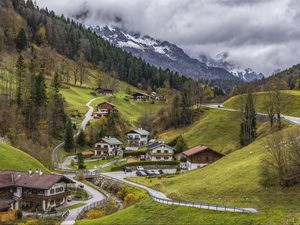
x,y
133,153
145,163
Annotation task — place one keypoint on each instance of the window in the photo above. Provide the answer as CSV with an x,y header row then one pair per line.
x,y
60,189
158,158
158,151
166,151
52,202
166,158
52,191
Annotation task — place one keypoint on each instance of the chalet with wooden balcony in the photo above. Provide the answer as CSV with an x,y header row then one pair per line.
x,y
108,146
33,191
103,109
138,137
159,151
140,97
104,91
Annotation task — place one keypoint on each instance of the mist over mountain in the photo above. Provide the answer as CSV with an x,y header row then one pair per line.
x,y
166,55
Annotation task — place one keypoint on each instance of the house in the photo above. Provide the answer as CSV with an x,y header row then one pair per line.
x,y
104,91
157,97
140,97
159,151
108,146
200,156
87,154
138,137
103,109
33,191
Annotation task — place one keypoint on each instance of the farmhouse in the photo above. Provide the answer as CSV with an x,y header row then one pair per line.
x,y
159,151
140,97
138,137
103,109
104,91
200,156
32,191
108,146
157,97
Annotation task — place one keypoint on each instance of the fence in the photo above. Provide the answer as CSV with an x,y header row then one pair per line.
x,y
202,206
190,204
90,206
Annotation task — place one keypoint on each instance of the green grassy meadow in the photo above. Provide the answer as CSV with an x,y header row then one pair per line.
x,y
290,100
15,159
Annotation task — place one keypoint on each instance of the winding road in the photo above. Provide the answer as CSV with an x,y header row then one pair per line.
x,y
95,195
291,119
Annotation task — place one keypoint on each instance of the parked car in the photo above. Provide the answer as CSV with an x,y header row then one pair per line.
x,y
141,173
150,172
156,172
81,186
161,171
140,168
142,157
69,199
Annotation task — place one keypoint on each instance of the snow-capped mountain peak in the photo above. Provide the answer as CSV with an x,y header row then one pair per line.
x,y
222,60
161,54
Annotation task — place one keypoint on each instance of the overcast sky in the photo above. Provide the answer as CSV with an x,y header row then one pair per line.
x,y
261,34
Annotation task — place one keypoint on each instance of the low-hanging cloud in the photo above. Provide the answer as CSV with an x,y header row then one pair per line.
x,y
261,34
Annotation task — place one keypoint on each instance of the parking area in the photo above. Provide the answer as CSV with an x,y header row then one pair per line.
x,y
133,173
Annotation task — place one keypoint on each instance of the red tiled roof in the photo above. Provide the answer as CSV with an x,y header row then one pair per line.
x,y
198,149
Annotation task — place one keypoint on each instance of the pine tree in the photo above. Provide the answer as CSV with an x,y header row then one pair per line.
x,y
21,40
81,138
20,72
69,140
248,124
40,90
56,82
180,145
80,161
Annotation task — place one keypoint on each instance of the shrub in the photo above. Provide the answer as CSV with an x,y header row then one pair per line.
x,y
134,153
72,162
130,199
19,214
94,214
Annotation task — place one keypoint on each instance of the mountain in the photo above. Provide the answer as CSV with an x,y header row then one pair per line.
x,y
221,60
161,54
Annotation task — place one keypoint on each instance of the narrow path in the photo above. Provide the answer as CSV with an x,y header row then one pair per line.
x,y
291,119
162,198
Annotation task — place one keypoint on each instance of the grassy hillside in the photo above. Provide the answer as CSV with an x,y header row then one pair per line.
x,y
289,100
210,129
15,159
234,180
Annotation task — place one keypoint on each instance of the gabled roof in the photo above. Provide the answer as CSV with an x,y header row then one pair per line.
x,y
109,103
112,141
33,180
104,89
157,145
199,149
139,131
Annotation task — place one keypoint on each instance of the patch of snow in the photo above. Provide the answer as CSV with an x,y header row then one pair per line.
x,y
129,44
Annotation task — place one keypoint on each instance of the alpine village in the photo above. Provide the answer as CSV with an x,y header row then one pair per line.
x,y
92,134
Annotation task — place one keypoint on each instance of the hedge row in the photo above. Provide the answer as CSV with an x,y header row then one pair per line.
x,y
145,163
134,153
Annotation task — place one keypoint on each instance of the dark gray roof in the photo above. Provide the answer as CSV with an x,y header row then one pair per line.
x,y
33,180
112,141
140,131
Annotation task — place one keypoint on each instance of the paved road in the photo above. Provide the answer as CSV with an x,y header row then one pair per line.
x,y
291,119
95,196
162,198
87,117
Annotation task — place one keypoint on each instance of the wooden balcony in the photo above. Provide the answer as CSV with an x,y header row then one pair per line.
x,y
37,197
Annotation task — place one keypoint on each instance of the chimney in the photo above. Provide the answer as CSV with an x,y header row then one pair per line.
x,y
40,173
36,171
30,171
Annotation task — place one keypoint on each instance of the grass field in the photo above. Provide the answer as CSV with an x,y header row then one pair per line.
x,y
289,102
235,181
15,159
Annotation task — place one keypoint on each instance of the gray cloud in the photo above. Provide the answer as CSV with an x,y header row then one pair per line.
x,y
261,34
